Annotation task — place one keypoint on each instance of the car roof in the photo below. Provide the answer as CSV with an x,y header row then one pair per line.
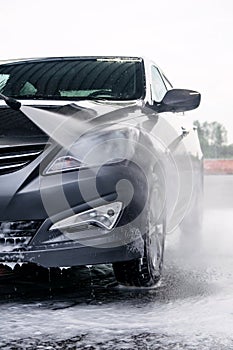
x,y
60,58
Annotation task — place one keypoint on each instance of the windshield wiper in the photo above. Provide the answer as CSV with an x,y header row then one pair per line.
x,y
36,97
15,104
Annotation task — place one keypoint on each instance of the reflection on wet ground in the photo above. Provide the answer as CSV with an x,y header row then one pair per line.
x,y
97,284
29,281
84,308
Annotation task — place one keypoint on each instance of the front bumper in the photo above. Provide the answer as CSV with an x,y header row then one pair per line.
x,y
124,242
73,255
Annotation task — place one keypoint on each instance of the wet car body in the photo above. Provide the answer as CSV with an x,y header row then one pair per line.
x,y
64,202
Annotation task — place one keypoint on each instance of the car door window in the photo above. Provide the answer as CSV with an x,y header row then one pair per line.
x,y
158,87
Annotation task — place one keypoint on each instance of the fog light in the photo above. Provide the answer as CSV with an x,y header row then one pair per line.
x,y
104,217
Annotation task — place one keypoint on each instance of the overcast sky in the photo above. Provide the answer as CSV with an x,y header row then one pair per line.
x,y
191,40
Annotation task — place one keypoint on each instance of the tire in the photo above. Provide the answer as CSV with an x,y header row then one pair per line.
x,y
146,272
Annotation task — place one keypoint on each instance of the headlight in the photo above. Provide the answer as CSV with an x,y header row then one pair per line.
x,y
96,149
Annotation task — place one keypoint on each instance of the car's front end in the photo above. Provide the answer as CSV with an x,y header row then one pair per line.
x,y
86,162
67,205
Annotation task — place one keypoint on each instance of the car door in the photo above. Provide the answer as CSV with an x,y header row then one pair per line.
x,y
176,133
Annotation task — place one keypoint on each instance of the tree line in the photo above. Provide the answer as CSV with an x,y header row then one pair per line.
x,y
213,140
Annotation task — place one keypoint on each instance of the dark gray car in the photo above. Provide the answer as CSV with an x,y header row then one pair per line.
x,y
97,163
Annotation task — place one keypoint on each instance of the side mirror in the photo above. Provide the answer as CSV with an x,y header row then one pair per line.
x,y
179,100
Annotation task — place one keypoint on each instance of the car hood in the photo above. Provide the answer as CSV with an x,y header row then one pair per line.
x,y
31,122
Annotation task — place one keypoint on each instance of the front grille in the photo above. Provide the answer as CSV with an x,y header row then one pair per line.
x,y
17,234
15,157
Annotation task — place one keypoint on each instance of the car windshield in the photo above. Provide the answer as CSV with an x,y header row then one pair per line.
x,y
73,79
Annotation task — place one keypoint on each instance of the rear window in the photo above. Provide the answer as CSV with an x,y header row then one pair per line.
x,y
95,78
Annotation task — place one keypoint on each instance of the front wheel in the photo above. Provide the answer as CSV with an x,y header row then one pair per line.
x,y
144,272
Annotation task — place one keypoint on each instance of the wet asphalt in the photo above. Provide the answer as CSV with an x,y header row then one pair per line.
x,y
84,308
